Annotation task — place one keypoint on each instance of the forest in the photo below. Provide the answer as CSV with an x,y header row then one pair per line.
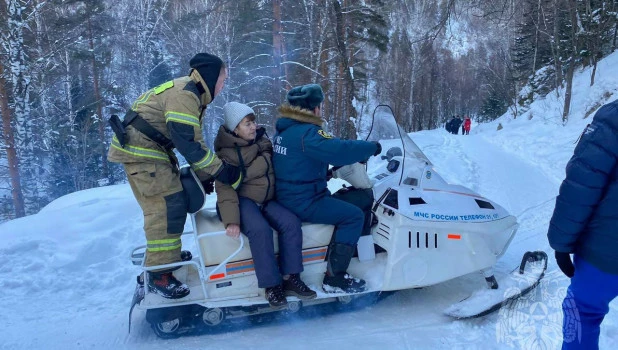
x,y
67,65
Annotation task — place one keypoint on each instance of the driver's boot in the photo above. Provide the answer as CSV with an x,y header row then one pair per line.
x,y
336,279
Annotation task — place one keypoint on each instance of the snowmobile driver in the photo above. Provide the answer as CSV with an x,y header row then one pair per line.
x,y
302,153
163,118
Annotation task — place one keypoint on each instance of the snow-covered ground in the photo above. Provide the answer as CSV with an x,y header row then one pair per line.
x,y
67,282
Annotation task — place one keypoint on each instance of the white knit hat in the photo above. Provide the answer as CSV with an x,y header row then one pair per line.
x,y
233,114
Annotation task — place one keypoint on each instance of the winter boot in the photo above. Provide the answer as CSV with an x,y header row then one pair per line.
x,y
336,279
276,298
167,286
295,287
343,283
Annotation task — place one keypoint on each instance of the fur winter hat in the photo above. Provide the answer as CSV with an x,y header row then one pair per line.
x,y
233,114
306,96
208,66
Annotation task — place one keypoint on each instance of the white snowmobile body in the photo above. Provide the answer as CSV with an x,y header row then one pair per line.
x,y
428,232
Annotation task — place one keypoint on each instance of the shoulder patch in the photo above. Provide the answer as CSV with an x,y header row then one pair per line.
x,y
324,134
159,89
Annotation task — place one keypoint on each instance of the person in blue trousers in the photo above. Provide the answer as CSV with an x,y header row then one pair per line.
x,y
302,153
585,223
250,207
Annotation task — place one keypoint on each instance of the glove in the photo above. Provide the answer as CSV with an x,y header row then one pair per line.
x,y
379,148
209,186
230,175
565,264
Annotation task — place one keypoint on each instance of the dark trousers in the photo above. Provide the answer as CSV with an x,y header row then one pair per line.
x,y
586,304
362,198
256,224
347,218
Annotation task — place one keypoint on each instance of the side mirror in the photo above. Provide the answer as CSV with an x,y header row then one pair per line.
x,y
393,165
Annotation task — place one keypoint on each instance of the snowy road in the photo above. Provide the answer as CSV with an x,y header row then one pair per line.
x,y
69,286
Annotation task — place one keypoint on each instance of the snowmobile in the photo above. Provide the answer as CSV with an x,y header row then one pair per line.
x,y
425,231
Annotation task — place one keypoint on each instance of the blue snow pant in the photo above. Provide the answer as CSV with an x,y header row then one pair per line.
x,y
256,225
347,218
586,304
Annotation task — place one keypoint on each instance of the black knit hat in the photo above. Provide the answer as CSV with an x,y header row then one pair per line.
x,y
209,67
306,96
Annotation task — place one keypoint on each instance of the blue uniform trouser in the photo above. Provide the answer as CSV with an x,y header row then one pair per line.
x,y
347,218
586,304
256,225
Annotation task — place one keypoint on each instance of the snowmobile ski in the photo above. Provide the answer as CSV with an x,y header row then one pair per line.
x,y
138,296
517,284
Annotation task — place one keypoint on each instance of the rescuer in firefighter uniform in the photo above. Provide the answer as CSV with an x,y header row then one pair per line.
x,y
163,118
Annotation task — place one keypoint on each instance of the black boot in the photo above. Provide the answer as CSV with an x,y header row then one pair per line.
x,y
337,280
295,287
167,286
276,298
343,283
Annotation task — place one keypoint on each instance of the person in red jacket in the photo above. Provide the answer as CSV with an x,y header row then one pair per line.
x,y
466,126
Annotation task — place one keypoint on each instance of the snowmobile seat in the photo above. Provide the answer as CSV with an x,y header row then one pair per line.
x,y
217,248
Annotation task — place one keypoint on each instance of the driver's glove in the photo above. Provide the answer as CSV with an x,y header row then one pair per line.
x,y
378,148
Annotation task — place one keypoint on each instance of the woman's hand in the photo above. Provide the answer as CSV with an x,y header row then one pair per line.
x,y
232,230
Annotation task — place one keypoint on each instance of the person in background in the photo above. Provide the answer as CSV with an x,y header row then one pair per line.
x,y
448,126
303,151
585,224
457,124
162,119
466,126
250,207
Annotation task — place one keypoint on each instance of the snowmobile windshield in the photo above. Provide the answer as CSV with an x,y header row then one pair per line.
x,y
400,154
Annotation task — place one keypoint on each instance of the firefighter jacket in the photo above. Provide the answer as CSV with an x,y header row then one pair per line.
x,y
175,109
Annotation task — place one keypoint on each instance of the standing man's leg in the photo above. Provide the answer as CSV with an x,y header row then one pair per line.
x,y
586,304
159,193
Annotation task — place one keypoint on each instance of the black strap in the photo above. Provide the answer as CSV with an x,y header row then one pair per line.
x,y
139,123
241,161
